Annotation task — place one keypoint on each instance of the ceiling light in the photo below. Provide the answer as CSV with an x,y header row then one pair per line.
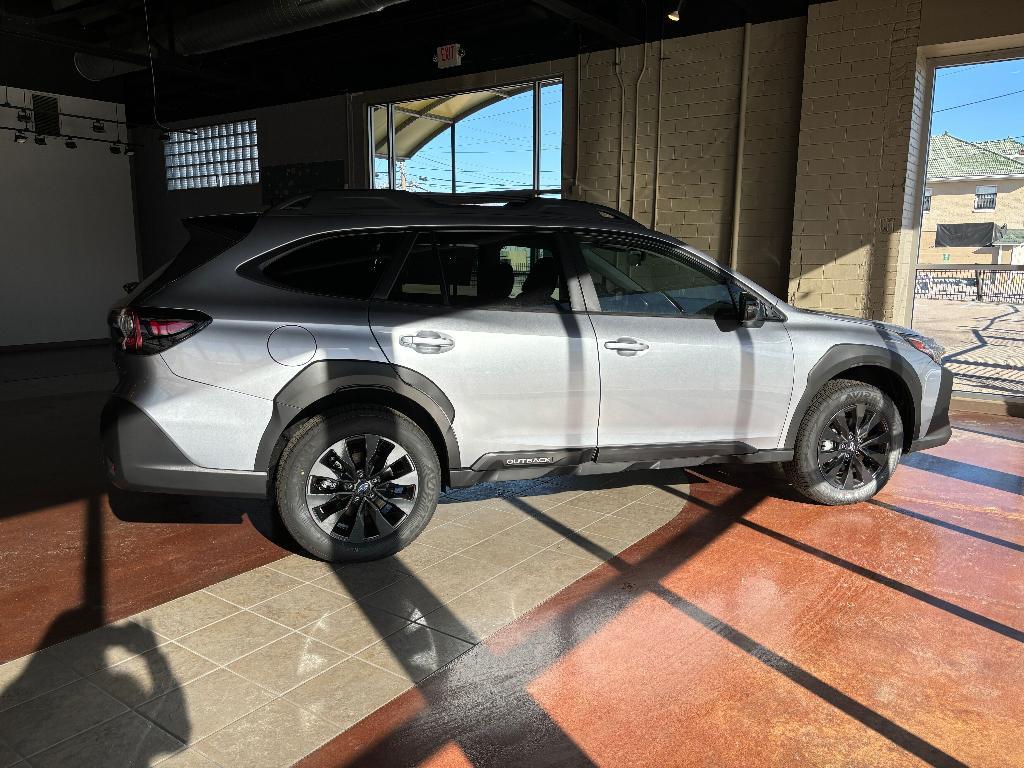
x,y
98,126
71,143
115,149
673,15
40,140
19,137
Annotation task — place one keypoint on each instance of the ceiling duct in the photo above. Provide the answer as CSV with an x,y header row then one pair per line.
x,y
246,21
237,23
97,68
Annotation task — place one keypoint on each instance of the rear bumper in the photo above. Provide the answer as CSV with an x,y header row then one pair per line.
x,y
139,456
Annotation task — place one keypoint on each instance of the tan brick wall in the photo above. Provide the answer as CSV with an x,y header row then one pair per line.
x,y
700,109
953,203
860,133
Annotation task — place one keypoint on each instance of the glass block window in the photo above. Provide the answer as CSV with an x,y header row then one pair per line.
x,y
213,156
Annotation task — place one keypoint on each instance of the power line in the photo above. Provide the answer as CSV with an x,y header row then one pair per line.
x,y
979,101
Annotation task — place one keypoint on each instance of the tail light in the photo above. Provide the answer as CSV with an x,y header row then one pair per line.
x,y
146,331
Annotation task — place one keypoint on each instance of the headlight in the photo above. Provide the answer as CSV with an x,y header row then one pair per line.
x,y
925,344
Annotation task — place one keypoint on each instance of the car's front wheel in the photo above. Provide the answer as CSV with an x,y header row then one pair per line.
x,y
848,444
357,483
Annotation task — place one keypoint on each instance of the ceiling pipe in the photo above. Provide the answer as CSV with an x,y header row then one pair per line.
x,y
237,23
248,21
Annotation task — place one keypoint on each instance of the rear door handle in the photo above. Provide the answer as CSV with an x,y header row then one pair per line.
x,y
626,346
428,342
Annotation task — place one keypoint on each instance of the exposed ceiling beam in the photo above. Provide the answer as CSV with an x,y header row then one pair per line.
x,y
589,20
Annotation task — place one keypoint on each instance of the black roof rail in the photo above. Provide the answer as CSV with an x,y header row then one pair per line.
x,y
341,201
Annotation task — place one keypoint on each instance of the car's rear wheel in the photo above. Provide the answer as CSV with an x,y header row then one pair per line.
x,y
357,483
848,444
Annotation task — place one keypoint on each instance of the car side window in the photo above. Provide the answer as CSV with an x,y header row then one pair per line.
x,y
420,281
638,280
484,270
346,266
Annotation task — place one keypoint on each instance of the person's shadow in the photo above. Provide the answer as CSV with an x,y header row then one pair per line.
x,y
41,677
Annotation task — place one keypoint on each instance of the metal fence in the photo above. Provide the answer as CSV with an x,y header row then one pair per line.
x,y
1003,284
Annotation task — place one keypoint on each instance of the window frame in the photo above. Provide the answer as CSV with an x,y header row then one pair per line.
x,y
565,255
994,193
252,269
672,251
536,85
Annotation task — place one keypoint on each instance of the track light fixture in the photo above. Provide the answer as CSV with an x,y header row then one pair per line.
x,y
115,149
98,126
674,14
19,137
40,140
70,143
23,115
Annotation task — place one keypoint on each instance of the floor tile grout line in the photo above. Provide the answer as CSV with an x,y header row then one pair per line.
x,y
400,574
291,630
274,695
324,720
70,668
126,710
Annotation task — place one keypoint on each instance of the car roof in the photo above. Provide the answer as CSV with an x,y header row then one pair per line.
x,y
360,207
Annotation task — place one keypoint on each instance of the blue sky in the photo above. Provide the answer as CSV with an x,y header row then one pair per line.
x,y
493,147
994,119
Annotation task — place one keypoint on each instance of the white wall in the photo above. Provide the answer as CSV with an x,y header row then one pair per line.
x,y
67,230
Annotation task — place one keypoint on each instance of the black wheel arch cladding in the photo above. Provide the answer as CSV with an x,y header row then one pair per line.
x,y
857,361
324,383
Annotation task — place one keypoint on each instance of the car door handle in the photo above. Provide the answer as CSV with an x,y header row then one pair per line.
x,y
626,346
428,342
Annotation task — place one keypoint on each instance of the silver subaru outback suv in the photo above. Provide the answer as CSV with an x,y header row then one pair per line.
x,y
351,354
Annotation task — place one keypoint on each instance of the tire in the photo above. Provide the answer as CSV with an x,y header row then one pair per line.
x,y
835,466
356,511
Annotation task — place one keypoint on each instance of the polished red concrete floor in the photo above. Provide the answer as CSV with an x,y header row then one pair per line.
x,y
75,554
752,630
757,630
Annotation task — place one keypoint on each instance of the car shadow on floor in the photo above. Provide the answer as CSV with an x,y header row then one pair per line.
x,y
161,508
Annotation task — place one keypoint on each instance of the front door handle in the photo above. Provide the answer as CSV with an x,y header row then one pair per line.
x,y
626,346
428,342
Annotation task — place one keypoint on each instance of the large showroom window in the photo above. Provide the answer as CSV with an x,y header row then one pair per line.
x,y
506,138
212,156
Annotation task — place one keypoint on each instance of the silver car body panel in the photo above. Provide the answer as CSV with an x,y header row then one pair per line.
x,y
695,382
517,380
215,428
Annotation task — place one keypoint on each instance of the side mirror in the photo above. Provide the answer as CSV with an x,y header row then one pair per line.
x,y
129,287
751,311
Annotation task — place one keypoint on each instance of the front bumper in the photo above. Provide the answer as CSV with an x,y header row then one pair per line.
x,y
139,456
939,430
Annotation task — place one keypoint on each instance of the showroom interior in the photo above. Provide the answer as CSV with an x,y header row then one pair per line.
x,y
702,614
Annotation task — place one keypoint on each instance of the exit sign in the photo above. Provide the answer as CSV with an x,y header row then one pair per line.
x,y
448,55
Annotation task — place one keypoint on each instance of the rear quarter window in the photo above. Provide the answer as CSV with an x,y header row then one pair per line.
x,y
209,237
344,266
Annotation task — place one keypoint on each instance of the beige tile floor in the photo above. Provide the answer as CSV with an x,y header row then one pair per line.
x,y
263,668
